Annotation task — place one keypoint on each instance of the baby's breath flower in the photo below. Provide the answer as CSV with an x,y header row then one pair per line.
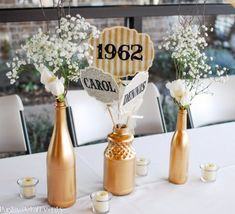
x,y
64,53
186,46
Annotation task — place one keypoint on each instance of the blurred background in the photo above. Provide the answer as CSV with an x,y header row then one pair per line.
x,y
39,104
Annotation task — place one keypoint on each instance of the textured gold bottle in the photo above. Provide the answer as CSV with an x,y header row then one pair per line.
x,y
61,169
119,162
178,172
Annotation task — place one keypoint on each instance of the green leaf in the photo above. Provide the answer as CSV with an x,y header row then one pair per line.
x,y
61,98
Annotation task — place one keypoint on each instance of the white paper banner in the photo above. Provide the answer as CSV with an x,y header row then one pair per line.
x,y
122,51
99,85
134,92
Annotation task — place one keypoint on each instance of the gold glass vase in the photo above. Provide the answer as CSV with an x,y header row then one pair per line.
x,y
119,162
179,154
61,164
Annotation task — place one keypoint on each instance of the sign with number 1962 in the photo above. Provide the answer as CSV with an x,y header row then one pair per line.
x,y
122,52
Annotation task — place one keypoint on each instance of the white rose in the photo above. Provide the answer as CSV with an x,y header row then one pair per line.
x,y
56,86
179,91
46,75
52,83
186,99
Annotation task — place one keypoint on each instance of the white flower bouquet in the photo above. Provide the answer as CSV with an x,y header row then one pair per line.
x,y
58,57
186,46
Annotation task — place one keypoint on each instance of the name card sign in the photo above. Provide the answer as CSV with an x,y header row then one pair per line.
x,y
133,92
122,52
99,85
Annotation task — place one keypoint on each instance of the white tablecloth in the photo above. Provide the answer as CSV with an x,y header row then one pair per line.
x,y
153,194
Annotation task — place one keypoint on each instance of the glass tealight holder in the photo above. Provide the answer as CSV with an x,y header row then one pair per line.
x,y
208,172
142,166
100,202
27,187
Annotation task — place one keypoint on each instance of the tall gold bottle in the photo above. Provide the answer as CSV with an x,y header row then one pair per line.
x,y
119,162
61,164
178,172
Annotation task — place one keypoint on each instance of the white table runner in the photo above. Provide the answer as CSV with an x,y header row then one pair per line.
x,y
153,193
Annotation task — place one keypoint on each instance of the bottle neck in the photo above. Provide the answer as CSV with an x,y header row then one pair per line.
x,y
181,120
120,134
60,115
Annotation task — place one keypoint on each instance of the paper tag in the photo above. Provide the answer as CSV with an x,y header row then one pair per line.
x,y
134,92
99,85
122,52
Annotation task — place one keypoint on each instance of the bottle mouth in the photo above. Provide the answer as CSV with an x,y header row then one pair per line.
x,y
120,126
182,111
60,104
121,129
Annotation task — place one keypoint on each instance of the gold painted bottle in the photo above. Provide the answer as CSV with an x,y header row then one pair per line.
x,y
61,164
119,162
179,154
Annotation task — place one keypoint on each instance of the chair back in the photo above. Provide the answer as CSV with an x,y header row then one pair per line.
x,y
89,119
214,108
13,133
151,109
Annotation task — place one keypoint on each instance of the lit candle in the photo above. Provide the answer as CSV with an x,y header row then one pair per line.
x,y
142,166
28,187
209,171
101,203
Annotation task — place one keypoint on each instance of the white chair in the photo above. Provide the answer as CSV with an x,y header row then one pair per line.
x,y
218,107
13,133
88,118
151,109
90,121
